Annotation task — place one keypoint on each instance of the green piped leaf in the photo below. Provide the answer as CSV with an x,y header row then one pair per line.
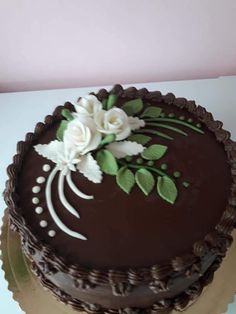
x,y
145,180
167,190
133,107
154,152
125,179
139,138
151,112
67,114
107,139
61,130
112,99
107,162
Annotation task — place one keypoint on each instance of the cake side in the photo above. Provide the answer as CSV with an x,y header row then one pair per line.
x,y
122,281
90,299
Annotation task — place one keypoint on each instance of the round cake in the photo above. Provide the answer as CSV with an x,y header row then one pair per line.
x,y
125,201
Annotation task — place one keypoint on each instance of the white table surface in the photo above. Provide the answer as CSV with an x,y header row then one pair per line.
x,y
21,111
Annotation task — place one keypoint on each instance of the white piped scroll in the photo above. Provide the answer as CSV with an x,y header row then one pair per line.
x,y
75,189
51,209
62,196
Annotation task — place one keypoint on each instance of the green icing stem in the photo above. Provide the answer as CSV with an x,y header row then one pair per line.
x,y
128,158
166,126
111,101
175,121
158,171
149,131
104,103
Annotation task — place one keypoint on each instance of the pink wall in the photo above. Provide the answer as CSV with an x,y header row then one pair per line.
x,y
70,43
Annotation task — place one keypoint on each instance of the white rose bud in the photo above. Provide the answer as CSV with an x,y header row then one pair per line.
x,y
114,121
81,135
88,106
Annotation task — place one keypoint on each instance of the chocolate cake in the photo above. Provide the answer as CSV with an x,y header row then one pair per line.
x,y
125,201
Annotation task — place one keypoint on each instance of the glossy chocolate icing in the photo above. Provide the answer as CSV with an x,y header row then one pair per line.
x,y
128,232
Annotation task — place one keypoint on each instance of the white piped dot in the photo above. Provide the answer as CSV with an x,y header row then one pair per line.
x,y
51,233
43,223
35,200
46,167
36,189
40,180
38,210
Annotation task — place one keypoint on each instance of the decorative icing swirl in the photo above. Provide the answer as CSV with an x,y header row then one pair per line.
x,y
87,130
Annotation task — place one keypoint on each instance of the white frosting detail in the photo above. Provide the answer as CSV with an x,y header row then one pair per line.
x,y
125,148
46,168
81,135
43,223
136,123
57,152
35,200
87,106
51,209
36,189
51,233
62,196
89,167
114,121
40,180
38,210
75,189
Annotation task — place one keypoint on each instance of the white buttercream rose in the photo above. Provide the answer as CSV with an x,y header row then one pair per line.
x,y
81,135
114,121
88,106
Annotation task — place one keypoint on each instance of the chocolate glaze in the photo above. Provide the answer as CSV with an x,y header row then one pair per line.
x,y
118,228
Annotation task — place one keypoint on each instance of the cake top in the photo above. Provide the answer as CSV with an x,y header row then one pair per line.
x,y
125,179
